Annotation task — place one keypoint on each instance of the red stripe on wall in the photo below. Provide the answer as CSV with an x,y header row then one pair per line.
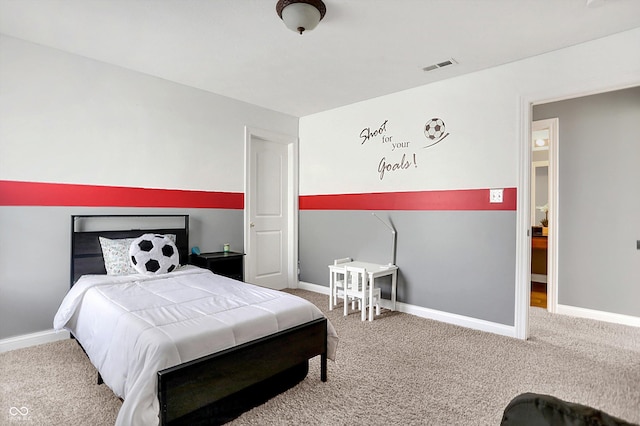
x,y
14,193
465,199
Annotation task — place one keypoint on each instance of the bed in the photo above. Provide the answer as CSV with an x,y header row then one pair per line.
x,y
197,348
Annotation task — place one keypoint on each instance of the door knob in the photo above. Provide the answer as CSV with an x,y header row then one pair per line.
x,y
252,224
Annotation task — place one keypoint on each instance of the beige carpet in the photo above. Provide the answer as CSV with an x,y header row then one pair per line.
x,y
399,369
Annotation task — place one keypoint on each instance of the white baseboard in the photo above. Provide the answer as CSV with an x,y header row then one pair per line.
x,y
463,321
313,287
32,339
598,315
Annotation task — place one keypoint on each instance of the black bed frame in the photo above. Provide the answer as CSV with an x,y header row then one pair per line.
x,y
218,387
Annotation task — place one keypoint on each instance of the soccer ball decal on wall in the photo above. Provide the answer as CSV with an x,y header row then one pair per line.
x,y
434,130
154,254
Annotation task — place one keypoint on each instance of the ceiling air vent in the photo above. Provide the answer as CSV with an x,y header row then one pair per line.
x,y
440,65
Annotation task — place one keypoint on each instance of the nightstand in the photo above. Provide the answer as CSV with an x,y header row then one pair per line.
x,y
230,264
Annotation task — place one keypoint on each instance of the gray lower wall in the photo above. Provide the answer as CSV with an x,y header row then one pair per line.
x,y
599,200
35,246
460,262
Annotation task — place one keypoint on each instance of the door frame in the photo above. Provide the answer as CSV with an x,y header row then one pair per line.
x,y
552,239
250,136
523,220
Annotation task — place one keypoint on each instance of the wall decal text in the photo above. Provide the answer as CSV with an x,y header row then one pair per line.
x,y
434,130
367,134
403,164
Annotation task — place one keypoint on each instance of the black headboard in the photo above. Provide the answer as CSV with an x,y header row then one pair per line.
x,y
86,254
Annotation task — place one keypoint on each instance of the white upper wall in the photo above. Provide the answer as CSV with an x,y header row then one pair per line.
x,y
482,113
69,119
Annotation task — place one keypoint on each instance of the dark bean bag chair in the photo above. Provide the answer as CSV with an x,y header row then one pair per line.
x,y
531,409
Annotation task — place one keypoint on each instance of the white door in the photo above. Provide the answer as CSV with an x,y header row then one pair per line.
x,y
268,206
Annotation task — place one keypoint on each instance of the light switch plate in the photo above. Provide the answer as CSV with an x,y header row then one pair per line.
x,y
495,195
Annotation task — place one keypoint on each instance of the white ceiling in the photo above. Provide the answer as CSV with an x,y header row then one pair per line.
x,y
362,48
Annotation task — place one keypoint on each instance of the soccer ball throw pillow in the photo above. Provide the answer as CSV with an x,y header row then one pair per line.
x,y
154,254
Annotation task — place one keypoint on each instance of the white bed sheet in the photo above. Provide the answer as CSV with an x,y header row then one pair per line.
x,y
133,326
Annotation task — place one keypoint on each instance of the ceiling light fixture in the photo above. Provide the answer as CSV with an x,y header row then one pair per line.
x,y
301,15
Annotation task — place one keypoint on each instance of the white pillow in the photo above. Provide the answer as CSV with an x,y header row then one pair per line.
x,y
154,254
116,256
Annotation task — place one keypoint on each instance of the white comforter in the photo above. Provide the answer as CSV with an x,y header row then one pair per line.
x,y
133,326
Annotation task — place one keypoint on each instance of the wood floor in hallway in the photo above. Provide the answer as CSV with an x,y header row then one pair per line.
x,y
539,295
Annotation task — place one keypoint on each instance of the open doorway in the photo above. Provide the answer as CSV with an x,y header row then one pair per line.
x,y
599,245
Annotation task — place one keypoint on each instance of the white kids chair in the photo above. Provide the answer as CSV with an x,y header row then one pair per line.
x,y
357,289
336,282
